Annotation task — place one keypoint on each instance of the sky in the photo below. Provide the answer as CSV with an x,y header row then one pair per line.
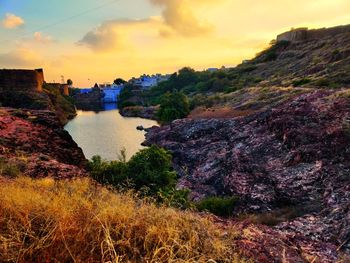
x,y
96,41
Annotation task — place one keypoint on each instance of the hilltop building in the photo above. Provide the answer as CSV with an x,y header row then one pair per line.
x,y
304,34
19,79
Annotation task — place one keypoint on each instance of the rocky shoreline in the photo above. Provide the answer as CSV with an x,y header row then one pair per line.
x,y
35,141
140,112
294,154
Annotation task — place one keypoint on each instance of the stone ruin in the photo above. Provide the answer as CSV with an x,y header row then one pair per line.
x,y
304,34
19,79
27,80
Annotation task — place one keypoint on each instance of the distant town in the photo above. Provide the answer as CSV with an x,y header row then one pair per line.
x,y
111,91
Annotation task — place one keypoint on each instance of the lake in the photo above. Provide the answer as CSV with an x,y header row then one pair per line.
x,y
106,133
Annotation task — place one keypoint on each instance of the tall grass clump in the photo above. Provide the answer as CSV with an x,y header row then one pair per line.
x,y
78,221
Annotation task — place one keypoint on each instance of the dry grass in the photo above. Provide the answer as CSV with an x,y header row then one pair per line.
x,y
77,221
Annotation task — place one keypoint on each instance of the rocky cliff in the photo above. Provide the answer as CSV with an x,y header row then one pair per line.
x,y
34,143
294,154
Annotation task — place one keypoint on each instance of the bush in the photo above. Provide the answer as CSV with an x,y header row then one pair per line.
x,y
108,173
218,206
151,168
9,169
148,171
322,82
173,106
301,82
175,198
126,104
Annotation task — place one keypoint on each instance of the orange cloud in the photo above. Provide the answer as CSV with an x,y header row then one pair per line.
x,y
179,16
115,34
12,21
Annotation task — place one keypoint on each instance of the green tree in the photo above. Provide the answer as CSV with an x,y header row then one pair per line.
x,y
119,81
173,106
151,168
148,171
69,82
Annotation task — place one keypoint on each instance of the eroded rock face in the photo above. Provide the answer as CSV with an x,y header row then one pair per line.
x,y
297,153
36,142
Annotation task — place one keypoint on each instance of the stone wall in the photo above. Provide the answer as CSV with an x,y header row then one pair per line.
x,y
63,88
304,34
26,80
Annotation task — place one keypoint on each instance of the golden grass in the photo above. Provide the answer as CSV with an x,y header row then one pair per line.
x,y
76,221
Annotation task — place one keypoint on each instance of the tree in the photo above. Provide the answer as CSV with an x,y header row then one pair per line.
x,y
69,82
151,168
148,171
173,106
186,77
119,81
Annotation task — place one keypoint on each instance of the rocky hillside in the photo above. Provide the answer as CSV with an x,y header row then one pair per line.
x,y
34,143
292,154
322,61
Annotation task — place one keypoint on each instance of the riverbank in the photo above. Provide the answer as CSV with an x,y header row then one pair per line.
x,y
140,112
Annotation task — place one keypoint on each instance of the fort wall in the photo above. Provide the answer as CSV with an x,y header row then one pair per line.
x,y
18,79
304,34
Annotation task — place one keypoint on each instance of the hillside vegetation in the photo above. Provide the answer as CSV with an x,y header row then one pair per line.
x,y
319,63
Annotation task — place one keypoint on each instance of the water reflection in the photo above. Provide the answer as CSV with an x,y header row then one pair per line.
x,y
106,132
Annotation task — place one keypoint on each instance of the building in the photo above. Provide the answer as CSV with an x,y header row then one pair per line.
x,y
110,92
212,69
22,79
305,34
147,81
63,88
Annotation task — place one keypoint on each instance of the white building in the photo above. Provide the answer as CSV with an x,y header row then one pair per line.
x,y
111,92
147,82
212,69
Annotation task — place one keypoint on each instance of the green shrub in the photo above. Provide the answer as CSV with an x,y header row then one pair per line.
x,y
108,173
126,104
175,198
173,106
322,82
9,169
219,206
301,82
151,168
148,171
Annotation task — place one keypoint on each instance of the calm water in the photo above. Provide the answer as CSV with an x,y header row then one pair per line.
x,y
105,133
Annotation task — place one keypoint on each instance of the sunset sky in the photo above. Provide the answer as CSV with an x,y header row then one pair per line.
x,y
98,40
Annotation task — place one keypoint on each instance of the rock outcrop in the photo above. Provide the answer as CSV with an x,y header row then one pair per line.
x,y
140,112
295,154
36,143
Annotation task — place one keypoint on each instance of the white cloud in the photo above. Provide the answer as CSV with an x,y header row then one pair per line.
x,y
12,21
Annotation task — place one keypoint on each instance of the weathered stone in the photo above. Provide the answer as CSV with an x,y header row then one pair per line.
x,y
293,154
48,150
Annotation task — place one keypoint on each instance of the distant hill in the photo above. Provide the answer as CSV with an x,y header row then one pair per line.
x,y
303,57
